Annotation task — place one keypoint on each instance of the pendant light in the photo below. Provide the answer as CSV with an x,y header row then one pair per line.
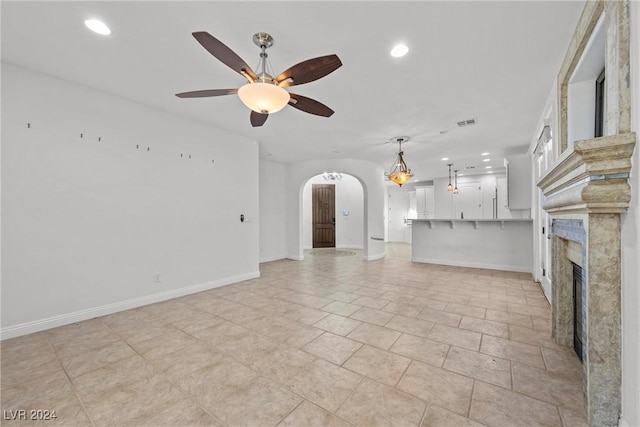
x,y
399,172
450,187
455,189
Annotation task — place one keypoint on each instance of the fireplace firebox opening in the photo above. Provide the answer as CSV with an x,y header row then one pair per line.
x,y
578,329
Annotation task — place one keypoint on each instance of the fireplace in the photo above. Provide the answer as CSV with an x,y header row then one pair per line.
x,y
585,191
585,299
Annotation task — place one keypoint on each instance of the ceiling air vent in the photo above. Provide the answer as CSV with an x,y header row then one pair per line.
x,y
467,122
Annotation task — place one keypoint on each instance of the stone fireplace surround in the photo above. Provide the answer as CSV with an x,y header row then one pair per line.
x,y
585,194
585,191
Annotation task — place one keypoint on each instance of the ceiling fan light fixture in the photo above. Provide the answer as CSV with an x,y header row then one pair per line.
x,y
263,98
265,94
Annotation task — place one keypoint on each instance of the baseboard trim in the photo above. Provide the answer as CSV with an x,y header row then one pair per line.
x,y
356,247
272,258
80,315
374,257
501,267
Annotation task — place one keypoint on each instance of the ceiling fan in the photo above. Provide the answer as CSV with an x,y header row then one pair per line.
x,y
265,94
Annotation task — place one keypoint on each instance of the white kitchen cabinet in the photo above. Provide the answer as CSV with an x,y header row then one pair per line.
x,y
503,207
425,200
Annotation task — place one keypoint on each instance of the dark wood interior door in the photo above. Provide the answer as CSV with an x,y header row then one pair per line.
x,y
324,215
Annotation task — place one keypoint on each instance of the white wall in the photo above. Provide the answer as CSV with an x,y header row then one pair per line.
x,y
349,197
631,254
87,224
371,177
519,183
272,201
581,111
349,228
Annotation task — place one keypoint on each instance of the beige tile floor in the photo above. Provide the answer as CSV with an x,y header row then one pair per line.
x,y
322,342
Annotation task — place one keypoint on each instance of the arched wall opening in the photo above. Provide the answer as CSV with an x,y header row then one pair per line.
x,y
349,212
371,178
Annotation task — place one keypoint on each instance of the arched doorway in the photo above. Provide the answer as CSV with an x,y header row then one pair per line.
x,y
349,211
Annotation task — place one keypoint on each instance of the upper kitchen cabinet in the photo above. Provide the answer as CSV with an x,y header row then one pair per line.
x,y
425,200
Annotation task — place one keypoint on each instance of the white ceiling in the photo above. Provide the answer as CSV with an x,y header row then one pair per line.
x,y
491,61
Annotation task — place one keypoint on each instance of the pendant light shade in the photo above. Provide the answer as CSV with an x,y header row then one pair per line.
x,y
450,187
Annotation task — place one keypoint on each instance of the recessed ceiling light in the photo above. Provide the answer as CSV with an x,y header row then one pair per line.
x,y
444,158
488,167
460,174
484,154
399,50
97,26
489,171
486,160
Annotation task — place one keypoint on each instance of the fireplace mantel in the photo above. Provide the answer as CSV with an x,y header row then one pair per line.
x,y
591,178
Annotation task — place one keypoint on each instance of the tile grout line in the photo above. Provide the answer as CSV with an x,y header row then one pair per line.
x,y
473,389
290,412
71,383
350,394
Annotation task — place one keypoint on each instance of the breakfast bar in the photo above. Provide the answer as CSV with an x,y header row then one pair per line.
x,y
500,244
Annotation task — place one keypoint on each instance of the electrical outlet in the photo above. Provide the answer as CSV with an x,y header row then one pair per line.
x,y
156,277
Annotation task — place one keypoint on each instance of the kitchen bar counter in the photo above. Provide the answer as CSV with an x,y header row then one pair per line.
x,y
500,244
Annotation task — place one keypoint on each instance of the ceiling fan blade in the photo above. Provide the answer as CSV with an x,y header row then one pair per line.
x,y
309,70
258,119
223,53
309,105
205,93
